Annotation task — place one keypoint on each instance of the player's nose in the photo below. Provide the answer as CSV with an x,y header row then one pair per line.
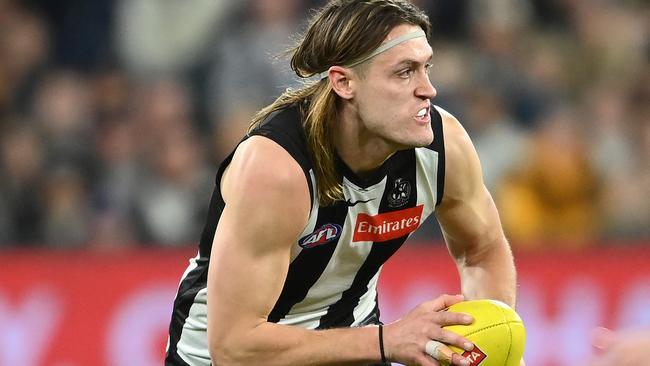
x,y
426,89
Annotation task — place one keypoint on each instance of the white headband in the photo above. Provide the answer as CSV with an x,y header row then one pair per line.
x,y
382,48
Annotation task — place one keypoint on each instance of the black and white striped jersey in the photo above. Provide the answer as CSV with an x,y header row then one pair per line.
x,y
335,265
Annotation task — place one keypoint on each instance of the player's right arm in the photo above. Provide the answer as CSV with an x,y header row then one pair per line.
x,y
267,207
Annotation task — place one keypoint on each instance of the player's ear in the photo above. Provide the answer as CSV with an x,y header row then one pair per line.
x,y
340,80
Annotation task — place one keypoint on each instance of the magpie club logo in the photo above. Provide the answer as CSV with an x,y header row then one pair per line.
x,y
323,235
400,193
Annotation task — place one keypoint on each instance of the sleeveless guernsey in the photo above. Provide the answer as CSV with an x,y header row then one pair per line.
x,y
335,265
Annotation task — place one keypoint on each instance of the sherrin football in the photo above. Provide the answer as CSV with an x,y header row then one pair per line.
x,y
497,332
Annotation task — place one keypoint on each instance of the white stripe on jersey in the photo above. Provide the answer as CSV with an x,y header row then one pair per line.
x,y
344,264
193,264
193,345
426,173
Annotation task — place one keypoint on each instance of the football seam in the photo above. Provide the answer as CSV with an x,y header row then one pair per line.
x,y
510,345
510,334
492,326
496,325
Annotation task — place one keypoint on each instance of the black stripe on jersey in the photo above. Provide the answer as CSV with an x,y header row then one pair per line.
x,y
174,359
214,213
189,287
340,314
438,145
308,266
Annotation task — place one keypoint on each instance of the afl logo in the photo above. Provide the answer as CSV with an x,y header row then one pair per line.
x,y
325,234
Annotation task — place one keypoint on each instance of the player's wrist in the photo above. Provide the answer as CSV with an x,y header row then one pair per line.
x,y
386,339
378,339
382,352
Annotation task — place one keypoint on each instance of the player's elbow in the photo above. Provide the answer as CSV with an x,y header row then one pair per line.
x,y
223,350
223,355
229,349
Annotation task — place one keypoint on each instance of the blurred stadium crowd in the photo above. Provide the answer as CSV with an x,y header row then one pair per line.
x,y
114,114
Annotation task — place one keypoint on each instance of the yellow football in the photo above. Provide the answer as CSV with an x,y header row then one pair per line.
x,y
498,333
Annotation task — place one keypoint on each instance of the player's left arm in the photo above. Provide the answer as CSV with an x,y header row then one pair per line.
x,y
470,222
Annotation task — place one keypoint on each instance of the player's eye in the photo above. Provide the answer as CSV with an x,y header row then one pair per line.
x,y
427,67
405,73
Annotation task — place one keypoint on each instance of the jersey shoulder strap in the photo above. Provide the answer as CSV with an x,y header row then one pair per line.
x,y
285,127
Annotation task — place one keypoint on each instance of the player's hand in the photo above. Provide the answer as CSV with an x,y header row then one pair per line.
x,y
405,340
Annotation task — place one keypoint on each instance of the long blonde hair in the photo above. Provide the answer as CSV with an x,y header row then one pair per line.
x,y
338,34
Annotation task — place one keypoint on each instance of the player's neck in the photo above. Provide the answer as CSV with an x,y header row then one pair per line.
x,y
361,150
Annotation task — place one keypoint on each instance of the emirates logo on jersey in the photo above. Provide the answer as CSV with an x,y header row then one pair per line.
x,y
387,226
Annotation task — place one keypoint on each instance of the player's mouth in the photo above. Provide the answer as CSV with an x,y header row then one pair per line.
x,y
423,115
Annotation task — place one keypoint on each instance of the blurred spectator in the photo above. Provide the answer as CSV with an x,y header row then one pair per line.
x,y
80,31
500,31
112,91
499,141
171,198
252,68
117,183
551,14
67,208
113,113
157,38
611,41
554,198
161,105
450,17
24,48
63,111
21,167
625,153
171,191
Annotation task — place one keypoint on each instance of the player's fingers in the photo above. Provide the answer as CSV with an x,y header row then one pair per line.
x,y
439,351
444,318
459,360
451,338
425,360
444,301
444,354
